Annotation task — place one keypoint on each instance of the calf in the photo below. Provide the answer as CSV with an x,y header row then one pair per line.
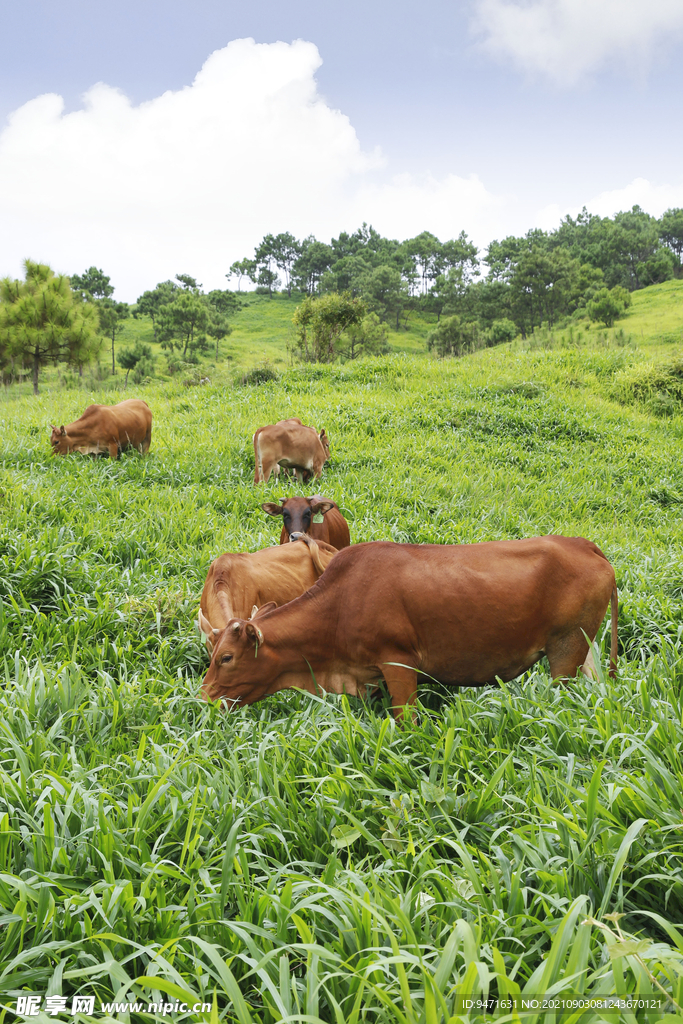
x,y
106,428
237,584
317,517
464,615
292,445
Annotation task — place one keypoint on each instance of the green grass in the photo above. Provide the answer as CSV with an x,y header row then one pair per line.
x,y
305,859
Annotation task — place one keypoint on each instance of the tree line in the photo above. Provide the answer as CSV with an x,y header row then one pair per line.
x,y
588,266
50,318
351,290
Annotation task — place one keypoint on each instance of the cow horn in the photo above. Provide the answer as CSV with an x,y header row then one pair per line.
x,y
253,611
236,627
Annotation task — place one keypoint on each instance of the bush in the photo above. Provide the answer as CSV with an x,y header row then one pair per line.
x,y
452,337
367,338
501,331
608,306
263,374
139,359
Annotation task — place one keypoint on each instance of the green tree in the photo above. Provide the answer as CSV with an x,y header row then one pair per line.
x,y
183,324
150,302
242,268
454,337
385,292
320,322
671,232
42,321
366,338
608,305
316,258
112,314
286,251
139,359
92,283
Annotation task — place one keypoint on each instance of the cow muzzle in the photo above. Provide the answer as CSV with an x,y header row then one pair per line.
x,y
296,536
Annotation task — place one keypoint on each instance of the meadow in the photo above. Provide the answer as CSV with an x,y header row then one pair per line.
x,y
305,859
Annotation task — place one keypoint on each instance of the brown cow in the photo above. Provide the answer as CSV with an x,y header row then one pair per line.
x,y
292,445
293,420
463,614
317,517
236,583
106,428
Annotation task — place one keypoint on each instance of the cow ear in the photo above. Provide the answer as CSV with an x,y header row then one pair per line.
x,y
258,612
271,508
321,506
253,632
62,431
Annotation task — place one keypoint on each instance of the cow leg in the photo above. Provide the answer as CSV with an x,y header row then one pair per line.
x,y
567,654
147,441
265,469
401,682
113,450
588,668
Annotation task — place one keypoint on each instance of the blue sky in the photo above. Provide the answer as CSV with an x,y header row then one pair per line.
x,y
491,116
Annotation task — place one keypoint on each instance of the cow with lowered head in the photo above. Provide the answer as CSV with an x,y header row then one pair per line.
x,y
106,428
317,517
291,445
464,615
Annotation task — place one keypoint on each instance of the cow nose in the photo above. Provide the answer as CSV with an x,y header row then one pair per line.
x,y
295,536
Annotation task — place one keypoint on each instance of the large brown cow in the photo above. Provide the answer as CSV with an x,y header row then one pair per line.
x,y
106,428
292,445
236,583
317,517
462,614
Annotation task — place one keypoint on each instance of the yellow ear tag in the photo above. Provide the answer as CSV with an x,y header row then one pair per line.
x,y
318,517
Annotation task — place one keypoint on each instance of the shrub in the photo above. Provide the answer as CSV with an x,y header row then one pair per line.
x,y
608,306
452,337
501,331
259,375
367,338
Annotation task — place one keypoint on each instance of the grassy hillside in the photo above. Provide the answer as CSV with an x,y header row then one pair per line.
x,y
304,859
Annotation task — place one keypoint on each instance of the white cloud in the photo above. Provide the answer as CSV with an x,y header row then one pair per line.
x,y
569,39
654,199
192,180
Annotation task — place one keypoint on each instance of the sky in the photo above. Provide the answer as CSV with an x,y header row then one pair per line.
x,y
155,138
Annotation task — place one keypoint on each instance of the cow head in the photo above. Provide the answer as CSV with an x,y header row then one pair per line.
x,y
242,665
60,441
298,513
211,634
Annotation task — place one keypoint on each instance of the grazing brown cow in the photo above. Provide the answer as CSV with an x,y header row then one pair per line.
x,y
236,583
106,428
292,421
463,614
292,445
317,517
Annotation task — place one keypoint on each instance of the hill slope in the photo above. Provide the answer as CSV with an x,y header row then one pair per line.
x,y
359,865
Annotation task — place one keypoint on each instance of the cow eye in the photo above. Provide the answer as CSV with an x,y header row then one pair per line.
x,y
226,658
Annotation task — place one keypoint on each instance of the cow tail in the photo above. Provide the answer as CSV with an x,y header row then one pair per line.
x,y
320,559
615,622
